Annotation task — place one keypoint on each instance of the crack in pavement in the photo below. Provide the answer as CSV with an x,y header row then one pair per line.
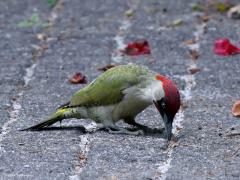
x,y
16,104
29,73
85,148
126,23
190,82
117,58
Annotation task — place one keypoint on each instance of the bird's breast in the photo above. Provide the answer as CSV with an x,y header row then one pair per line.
x,y
101,113
129,107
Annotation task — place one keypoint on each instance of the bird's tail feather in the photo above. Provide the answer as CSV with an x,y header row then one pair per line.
x,y
57,116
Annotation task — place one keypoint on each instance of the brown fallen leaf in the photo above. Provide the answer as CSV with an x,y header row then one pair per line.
x,y
178,128
205,18
194,70
137,48
82,157
189,42
193,54
173,143
78,78
105,68
236,109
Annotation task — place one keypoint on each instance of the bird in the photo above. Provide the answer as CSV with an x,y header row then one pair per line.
x,y
121,93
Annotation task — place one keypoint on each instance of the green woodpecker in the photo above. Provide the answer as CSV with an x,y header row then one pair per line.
x,y
121,93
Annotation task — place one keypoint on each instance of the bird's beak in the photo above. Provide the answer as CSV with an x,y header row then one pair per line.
x,y
168,126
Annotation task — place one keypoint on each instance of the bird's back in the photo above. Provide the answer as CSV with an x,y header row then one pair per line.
x,y
108,88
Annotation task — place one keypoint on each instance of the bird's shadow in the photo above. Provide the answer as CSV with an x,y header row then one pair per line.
x,y
63,128
158,132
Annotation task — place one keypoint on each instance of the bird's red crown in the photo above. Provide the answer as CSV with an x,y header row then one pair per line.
x,y
172,96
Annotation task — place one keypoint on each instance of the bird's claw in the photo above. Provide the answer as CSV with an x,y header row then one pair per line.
x,y
153,131
125,131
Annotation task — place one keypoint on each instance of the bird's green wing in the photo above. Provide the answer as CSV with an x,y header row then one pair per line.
x,y
108,88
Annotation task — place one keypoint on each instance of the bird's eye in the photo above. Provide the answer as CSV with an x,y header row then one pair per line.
x,y
163,104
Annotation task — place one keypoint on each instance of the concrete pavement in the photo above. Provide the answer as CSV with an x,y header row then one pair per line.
x,y
85,36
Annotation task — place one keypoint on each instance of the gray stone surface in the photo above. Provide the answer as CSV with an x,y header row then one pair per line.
x,y
82,38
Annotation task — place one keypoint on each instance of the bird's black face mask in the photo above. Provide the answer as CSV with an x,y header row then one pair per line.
x,y
167,117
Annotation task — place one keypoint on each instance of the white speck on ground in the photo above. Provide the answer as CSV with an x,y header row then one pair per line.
x,y
119,39
126,23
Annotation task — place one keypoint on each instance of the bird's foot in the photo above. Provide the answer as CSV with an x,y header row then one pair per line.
x,y
153,130
146,129
119,130
149,130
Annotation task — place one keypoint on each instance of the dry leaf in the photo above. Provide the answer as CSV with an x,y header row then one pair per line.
x,y
224,47
105,68
205,18
193,54
178,128
137,48
78,78
82,157
173,143
194,70
189,42
236,109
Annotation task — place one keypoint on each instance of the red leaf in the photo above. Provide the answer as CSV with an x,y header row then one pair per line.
x,y
194,70
78,78
236,109
105,68
137,48
223,47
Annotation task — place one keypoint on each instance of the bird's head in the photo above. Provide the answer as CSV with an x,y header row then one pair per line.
x,y
167,102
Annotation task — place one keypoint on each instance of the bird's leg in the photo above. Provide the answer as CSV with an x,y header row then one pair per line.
x,y
113,129
146,129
